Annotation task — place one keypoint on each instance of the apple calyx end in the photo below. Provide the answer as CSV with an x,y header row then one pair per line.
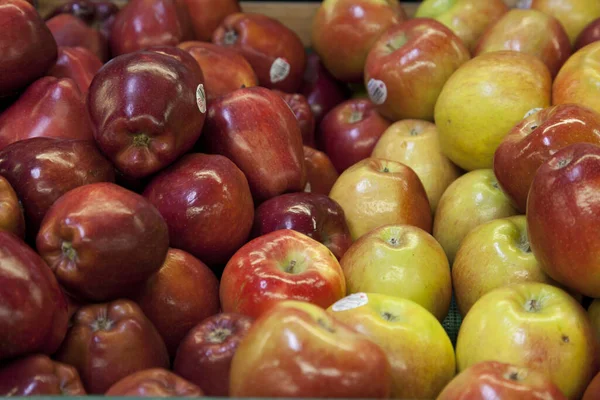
x,y
414,132
533,305
325,325
355,117
565,339
389,317
219,335
231,37
515,375
141,140
102,323
68,251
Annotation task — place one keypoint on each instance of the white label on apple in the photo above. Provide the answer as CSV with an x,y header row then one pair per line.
x,y
349,302
280,69
201,98
377,91
532,111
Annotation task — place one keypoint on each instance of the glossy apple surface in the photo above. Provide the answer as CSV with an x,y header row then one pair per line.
x,y
206,201
497,380
142,134
315,215
574,15
533,325
181,294
11,215
589,35
70,31
92,232
562,215
281,265
204,356
50,107
77,63
154,382
418,349
528,31
257,130
275,52
304,115
207,15
99,14
376,192
110,341
294,337
27,45
41,170
34,310
537,138
320,172
408,66
350,131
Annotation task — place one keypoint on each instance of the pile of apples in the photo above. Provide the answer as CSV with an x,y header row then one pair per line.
x,y
192,204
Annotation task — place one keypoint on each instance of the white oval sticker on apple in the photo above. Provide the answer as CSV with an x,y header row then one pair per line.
x,y
280,69
201,98
349,302
377,91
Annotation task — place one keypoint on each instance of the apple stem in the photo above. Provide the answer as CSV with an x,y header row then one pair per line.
x,y
532,305
290,268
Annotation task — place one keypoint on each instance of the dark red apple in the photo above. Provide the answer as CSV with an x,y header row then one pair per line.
x,y
97,13
181,294
50,107
100,239
258,131
41,170
207,15
350,131
26,44
320,172
70,31
110,341
34,310
155,382
275,52
77,63
12,218
590,34
147,109
316,215
206,201
204,356
304,115
37,375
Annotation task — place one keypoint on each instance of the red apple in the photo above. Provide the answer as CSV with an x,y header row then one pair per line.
x,y
204,356
181,294
590,34
34,310
37,375
50,107
408,66
26,44
98,14
349,132
155,382
304,115
41,170
563,213
145,23
537,138
281,265
496,380
206,201
207,15
275,52
99,239
110,341
77,63
320,172
70,31
11,215
257,130
147,109
315,215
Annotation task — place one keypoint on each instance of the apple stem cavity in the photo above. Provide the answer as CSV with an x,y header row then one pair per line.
x,y
414,132
514,376
290,267
68,251
396,43
231,37
219,335
388,316
533,306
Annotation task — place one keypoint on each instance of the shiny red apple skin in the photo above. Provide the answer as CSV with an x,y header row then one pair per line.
x,y
590,34
224,69
593,390
304,115
207,15
27,46
181,294
12,218
77,63
267,44
320,172
99,239
70,31
257,130
146,23
315,215
204,356
155,382
350,131
139,132
109,341
41,170
206,201
97,13
563,213
37,375
496,380
34,309
537,138
50,107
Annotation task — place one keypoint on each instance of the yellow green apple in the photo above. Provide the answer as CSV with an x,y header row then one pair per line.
x,y
574,15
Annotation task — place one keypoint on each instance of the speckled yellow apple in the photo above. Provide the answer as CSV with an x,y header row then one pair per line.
x,y
375,192
416,344
402,261
534,325
416,143
574,15
469,201
493,255
484,99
